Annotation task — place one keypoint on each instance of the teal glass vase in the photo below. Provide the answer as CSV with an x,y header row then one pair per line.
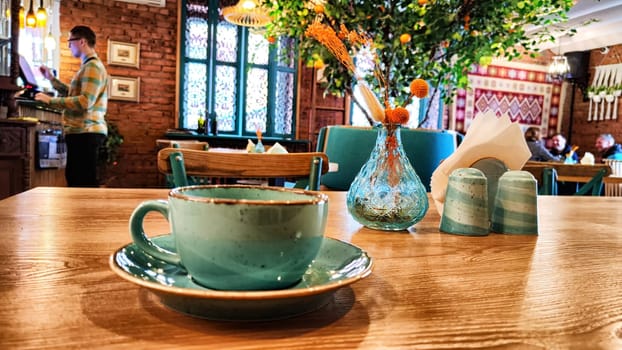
x,y
387,193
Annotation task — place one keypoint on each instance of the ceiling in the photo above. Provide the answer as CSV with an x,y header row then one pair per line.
x,y
604,31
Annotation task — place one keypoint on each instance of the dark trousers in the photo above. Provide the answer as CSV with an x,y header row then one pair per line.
x,y
82,159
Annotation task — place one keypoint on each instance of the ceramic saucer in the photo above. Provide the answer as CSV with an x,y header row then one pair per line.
x,y
337,265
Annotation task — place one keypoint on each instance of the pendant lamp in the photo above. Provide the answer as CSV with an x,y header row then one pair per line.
x,y
247,13
42,15
559,68
22,15
31,18
50,42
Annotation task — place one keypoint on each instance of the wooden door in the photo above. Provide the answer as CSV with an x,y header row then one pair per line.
x,y
315,110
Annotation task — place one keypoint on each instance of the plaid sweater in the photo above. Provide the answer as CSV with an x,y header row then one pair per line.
x,y
86,98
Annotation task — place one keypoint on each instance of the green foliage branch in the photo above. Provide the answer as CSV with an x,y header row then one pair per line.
x,y
447,36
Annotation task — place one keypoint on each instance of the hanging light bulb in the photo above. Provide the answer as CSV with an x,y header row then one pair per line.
x,y
22,15
50,42
42,15
248,4
31,18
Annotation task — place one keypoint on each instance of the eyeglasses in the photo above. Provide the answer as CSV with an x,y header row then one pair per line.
x,y
73,39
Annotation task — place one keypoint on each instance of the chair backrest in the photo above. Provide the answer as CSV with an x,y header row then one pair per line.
x,y
189,144
183,162
593,187
349,147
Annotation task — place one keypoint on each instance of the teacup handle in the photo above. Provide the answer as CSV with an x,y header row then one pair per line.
x,y
138,233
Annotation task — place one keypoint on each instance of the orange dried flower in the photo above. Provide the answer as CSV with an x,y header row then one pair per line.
x,y
399,115
352,36
388,114
318,9
327,37
419,88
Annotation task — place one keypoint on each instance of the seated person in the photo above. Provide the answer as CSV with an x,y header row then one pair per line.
x,y
561,148
538,151
607,148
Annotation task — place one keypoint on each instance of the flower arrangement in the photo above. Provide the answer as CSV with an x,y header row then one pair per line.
x,y
385,112
386,194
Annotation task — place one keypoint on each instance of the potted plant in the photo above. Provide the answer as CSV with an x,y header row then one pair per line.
x,y
109,152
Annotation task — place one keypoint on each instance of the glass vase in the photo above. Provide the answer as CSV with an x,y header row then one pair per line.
x,y
387,193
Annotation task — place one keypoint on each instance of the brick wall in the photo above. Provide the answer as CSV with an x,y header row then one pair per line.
x,y
584,133
155,28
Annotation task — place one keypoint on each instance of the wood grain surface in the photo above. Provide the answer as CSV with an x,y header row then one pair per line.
x,y
429,290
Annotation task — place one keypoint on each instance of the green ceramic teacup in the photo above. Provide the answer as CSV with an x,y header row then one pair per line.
x,y
235,237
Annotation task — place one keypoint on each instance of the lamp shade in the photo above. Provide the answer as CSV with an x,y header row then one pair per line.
x,y
22,17
42,16
246,13
31,18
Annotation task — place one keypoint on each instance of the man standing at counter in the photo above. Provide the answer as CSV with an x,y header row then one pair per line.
x,y
84,103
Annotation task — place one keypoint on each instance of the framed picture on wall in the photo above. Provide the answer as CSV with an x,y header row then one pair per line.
x,y
123,54
124,88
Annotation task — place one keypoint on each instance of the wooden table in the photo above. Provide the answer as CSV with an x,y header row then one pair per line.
x,y
572,172
561,289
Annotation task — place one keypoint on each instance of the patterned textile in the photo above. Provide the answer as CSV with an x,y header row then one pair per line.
x,y
521,92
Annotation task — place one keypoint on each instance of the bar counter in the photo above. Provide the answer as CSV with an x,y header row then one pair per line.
x,y
428,290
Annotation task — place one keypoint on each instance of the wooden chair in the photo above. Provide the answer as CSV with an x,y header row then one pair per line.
x,y
181,163
548,173
189,144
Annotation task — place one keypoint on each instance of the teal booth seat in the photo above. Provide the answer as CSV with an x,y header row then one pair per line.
x,y
349,148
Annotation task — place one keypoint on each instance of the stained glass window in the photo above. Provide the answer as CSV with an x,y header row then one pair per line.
x,y
258,50
284,106
225,97
196,38
196,93
236,74
286,52
256,100
227,39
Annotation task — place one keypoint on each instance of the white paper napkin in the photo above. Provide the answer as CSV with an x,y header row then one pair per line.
x,y
277,148
488,136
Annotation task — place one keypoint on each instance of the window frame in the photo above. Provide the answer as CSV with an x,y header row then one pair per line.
x,y
242,66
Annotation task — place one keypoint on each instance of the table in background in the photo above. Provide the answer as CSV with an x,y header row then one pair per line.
x,y
229,141
560,289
